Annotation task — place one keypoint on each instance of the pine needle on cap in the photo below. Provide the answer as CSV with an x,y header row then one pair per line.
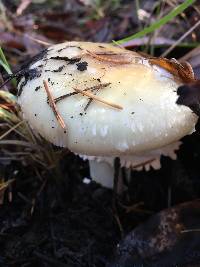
x,y
53,105
117,59
96,98
93,88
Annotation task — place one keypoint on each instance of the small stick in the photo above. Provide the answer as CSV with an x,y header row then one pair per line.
x,y
116,180
104,58
197,24
90,95
115,196
11,76
88,103
90,100
17,74
53,105
39,41
93,88
64,96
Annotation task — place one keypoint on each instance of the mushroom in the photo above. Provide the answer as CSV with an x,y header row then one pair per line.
x,y
102,101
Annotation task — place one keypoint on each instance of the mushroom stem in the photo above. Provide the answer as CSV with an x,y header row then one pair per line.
x,y
102,170
103,173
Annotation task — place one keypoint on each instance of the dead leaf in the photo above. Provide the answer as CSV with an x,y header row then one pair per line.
x,y
168,239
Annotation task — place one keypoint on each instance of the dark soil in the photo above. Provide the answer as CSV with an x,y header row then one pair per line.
x,y
73,223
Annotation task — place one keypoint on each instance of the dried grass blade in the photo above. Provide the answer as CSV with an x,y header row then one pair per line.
x,y
8,97
10,130
19,143
8,116
197,24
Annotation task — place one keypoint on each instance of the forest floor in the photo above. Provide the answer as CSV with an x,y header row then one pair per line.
x,y
49,216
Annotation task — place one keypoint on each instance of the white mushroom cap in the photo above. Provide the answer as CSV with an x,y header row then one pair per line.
x,y
150,118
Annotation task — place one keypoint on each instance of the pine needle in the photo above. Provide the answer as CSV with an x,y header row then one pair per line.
x,y
96,98
93,88
53,105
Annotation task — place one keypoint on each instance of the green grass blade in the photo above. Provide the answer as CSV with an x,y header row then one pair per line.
x,y
172,14
4,62
5,65
3,57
